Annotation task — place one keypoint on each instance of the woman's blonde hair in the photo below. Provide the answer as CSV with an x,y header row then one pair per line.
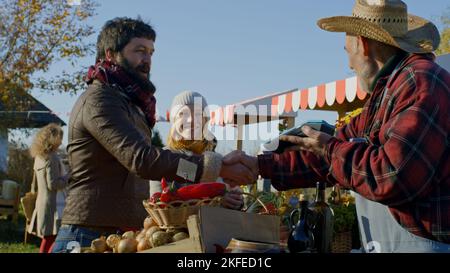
x,y
47,140
176,142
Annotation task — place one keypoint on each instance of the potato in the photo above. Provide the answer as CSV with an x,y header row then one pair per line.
x,y
160,238
173,231
180,236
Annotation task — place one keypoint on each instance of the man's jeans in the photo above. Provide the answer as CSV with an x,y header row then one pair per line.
x,y
72,238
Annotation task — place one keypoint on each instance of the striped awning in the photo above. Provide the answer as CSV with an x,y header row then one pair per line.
x,y
327,96
337,92
342,95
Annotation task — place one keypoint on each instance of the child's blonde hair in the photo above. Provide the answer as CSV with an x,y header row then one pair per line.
x,y
46,141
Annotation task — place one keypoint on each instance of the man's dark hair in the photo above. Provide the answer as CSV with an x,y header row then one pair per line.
x,y
118,32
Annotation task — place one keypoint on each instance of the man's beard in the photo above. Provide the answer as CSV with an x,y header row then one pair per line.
x,y
366,76
144,83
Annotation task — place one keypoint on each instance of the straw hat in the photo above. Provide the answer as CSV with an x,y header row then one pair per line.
x,y
386,21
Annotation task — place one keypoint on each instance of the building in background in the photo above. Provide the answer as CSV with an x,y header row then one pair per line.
x,y
25,112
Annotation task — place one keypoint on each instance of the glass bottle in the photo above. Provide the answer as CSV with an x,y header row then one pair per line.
x,y
320,221
300,238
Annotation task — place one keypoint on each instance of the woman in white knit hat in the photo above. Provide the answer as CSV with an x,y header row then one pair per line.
x,y
189,134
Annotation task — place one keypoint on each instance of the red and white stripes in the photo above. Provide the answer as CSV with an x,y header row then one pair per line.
x,y
318,96
315,97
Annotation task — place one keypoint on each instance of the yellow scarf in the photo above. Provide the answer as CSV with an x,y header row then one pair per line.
x,y
195,146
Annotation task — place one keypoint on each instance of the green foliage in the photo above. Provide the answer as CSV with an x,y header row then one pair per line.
x,y
344,217
282,126
270,199
444,47
20,165
156,139
11,237
3,175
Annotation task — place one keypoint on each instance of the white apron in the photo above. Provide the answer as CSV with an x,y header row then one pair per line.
x,y
381,233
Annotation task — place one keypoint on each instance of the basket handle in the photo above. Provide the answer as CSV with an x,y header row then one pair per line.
x,y
256,200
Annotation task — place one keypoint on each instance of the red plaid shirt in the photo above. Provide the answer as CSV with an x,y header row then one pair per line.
x,y
405,165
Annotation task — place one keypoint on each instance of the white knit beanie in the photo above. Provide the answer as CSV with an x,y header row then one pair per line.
x,y
187,98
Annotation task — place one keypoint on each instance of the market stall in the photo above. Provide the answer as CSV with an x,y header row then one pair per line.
x,y
202,225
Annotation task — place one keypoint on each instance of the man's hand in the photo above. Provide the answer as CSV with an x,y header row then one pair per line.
x,y
233,199
315,142
236,173
240,158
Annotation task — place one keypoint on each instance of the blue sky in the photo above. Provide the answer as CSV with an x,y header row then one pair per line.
x,y
233,50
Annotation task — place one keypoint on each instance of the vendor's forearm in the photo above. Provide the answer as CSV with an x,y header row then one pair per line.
x,y
288,170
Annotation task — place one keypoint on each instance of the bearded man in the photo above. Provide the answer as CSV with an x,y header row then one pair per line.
x,y
110,151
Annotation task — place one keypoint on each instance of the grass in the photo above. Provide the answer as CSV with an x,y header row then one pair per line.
x,y
12,235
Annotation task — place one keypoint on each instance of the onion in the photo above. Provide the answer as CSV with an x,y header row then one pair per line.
x,y
127,246
143,244
99,245
112,240
150,231
148,223
141,235
129,235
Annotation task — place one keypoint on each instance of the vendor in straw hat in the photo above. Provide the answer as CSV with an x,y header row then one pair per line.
x,y
396,154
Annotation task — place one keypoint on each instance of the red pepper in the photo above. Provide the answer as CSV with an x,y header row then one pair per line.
x,y
195,191
168,193
201,190
155,197
163,183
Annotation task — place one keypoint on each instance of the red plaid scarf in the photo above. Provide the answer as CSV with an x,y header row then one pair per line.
x,y
114,75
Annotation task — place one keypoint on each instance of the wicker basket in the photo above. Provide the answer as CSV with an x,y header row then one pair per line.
x,y
176,213
342,242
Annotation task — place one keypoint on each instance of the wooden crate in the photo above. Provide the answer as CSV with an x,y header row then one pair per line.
x,y
11,207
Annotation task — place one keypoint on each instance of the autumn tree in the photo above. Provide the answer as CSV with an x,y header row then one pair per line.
x,y
444,47
34,34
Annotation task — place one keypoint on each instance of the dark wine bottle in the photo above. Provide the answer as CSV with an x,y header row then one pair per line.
x,y
320,221
300,238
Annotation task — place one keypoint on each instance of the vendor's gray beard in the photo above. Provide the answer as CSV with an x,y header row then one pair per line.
x,y
144,83
367,75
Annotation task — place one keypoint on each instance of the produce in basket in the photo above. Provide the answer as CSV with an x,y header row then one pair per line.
x,y
270,200
190,192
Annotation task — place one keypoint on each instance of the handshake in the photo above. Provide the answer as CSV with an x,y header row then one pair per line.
x,y
239,169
